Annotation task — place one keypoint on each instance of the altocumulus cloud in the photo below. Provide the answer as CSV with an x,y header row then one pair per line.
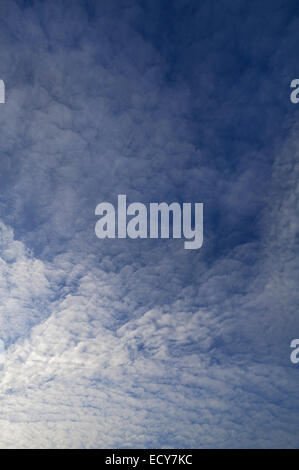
x,y
139,343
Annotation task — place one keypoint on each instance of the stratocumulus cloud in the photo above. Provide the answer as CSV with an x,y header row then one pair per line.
x,y
140,343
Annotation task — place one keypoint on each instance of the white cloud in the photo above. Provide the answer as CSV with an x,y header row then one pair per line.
x,y
120,344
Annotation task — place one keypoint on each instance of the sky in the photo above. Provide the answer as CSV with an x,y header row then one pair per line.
x,y
122,343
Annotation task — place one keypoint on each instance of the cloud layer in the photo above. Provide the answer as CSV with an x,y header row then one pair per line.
x,y
140,343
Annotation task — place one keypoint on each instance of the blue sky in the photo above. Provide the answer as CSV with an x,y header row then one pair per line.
x,y
140,343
